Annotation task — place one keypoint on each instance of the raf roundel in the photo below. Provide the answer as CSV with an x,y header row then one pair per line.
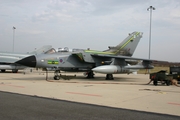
x,y
60,60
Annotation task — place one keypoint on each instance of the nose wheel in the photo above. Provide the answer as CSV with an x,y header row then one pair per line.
x,y
57,75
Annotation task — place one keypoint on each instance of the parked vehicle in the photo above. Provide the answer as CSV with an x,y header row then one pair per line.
x,y
161,77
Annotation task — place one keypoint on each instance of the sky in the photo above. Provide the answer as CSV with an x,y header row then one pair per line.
x,y
94,24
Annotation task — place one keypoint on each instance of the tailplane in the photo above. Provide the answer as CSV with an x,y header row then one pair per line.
x,y
127,46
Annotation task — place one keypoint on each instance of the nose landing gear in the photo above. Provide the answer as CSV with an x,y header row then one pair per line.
x,y
57,75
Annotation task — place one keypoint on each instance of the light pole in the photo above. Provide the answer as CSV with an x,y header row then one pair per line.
x,y
150,9
13,36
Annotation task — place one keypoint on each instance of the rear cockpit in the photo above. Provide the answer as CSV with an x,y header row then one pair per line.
x,y
65,49
52,50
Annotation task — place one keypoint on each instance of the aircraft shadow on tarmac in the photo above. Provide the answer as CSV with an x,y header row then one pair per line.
x,y
41,76
81,78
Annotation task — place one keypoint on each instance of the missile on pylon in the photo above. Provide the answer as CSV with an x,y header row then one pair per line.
x,y
114,69
108,69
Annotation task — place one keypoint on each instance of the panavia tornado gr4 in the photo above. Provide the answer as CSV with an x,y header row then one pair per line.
x,y
114,60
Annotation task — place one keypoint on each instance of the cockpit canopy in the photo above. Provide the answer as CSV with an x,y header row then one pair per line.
x,y
65,49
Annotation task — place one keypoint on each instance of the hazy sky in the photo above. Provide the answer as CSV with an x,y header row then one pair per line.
x,y
94,24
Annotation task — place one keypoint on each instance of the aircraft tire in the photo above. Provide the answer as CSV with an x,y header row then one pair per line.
x,y
90,74
56,77
14,70
109,77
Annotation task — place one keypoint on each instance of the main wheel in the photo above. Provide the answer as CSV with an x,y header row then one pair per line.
x,y
90,74
109,77
15,70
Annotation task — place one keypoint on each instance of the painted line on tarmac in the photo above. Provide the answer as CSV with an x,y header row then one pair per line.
x,y
174,104
84,94
12,85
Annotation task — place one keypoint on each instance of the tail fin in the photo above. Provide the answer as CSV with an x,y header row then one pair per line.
x,y
127,46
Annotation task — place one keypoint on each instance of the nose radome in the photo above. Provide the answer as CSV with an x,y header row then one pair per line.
x,y
29,61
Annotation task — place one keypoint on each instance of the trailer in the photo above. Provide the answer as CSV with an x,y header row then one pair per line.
x,y
175,71
161,77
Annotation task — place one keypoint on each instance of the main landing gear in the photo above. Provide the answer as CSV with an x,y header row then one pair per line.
x,y
109,77
14,70
90,74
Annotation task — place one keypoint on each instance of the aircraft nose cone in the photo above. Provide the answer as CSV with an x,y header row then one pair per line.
x,y
29,61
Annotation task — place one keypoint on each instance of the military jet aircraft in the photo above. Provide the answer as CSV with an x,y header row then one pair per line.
x,y
114,60
7,60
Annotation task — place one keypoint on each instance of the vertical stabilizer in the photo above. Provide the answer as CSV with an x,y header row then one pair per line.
x,y
127,46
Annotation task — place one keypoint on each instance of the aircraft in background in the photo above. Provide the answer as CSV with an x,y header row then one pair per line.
x,y
115,60
7,60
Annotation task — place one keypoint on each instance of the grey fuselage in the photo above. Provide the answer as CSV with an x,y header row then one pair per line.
x,y
65,61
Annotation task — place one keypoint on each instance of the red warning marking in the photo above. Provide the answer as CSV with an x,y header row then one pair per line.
x,y
174,104
13,85
84,94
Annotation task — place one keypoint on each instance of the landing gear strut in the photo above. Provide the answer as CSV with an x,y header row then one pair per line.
x,y
90,74
109,77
